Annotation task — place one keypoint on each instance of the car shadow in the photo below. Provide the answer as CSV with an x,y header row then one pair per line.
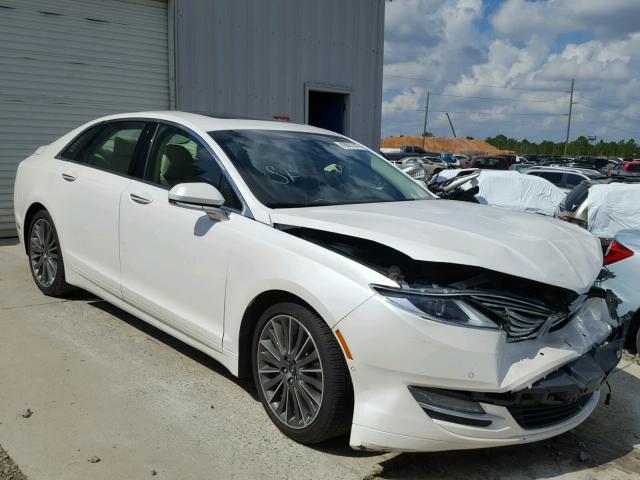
x,y
607,437
6,242
338,446
187,350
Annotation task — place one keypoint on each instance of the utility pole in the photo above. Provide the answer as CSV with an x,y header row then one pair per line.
x,y
426,114
451,124
566,143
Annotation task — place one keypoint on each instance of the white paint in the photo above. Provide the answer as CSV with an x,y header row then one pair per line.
x,y
194,278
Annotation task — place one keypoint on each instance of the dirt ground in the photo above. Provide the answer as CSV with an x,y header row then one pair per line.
x,y
90,392
8,469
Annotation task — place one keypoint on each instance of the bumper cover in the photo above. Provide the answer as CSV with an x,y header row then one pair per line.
x,y
560,373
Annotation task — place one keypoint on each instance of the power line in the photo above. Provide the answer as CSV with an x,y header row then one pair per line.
x,y
448,82
487,98
476,112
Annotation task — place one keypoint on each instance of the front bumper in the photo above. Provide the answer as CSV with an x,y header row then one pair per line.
x,y
394,351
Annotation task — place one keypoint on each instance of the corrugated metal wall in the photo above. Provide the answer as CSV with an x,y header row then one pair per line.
x,y
254,57
65,62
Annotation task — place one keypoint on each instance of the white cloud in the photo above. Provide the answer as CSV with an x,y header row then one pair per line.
x,y
523,19
518,70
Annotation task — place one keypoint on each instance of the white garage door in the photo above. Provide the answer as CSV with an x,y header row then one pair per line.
x,y
64,62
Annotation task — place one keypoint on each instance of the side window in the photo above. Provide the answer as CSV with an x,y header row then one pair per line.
x,y
114,147
177,157
74,150
572,180
553,177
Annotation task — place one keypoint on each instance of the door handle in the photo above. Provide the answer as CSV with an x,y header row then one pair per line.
x,y
136,197
68,177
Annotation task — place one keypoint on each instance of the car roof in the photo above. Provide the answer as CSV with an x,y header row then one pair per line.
x,y
215,122
578,171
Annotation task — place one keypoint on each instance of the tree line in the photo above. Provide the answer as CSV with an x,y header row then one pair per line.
x,y
579,146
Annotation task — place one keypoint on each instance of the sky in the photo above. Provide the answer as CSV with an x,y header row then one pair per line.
x,y
505,66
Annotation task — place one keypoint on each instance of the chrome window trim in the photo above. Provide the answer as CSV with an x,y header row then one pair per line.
x,y
246,211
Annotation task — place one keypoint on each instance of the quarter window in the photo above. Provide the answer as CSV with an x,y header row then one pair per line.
x,y
177,157
76,148
114,148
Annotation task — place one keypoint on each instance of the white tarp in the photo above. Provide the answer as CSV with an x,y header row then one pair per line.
x,y
513,190
613,207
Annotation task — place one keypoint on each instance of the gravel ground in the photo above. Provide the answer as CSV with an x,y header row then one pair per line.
x,y
8,469
90,392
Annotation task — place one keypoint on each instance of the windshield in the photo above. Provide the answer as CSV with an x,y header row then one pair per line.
x,y
298,169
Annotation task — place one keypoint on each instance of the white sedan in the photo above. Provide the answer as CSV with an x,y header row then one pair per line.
x,y
356,301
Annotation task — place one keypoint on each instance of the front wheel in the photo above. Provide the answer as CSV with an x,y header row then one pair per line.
x,y
301,375
45,256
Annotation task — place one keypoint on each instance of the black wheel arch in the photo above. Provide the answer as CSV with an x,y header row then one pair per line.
x,y
28,217
250,318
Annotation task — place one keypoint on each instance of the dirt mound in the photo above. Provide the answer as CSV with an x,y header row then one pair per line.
x,y
442,144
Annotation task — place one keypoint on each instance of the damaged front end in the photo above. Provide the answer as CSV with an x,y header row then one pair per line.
x,y
463,356
463,295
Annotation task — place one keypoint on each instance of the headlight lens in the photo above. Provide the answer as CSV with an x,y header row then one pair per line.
x,y
449,310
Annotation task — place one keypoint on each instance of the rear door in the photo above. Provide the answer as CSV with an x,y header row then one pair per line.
x,y
91,178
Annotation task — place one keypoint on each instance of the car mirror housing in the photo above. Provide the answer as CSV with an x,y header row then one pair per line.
x,y
199,196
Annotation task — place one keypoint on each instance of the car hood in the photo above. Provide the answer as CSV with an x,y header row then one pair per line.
x,y
525,245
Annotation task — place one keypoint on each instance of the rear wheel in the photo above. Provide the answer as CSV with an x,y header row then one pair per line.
x,y
300,374
45,256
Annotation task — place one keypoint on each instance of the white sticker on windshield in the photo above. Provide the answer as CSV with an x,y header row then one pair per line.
x,y
349,146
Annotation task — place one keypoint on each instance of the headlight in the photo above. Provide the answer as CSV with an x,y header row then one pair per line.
x,y
451,310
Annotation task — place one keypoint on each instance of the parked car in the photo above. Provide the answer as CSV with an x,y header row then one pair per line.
x,y
459,159
432,165
601,164
627,168
565,179
575,207
490,162
405,151
559,161
415,170
297,256
622,277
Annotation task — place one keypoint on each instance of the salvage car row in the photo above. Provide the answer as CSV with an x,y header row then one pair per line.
x,y
359,301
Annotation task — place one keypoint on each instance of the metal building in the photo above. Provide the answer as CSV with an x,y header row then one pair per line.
x,y
64,62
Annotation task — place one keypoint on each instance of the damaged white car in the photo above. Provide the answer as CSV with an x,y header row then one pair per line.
x,y
356,301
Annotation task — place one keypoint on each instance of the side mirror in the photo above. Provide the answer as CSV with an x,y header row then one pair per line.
x,y
199,196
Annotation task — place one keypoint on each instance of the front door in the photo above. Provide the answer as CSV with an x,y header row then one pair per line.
x,y
174,260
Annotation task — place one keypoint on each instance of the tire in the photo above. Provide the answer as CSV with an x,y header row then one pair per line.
x,y
334,402
45,256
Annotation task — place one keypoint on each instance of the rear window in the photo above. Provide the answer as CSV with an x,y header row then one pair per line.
x,y
575,197
490,162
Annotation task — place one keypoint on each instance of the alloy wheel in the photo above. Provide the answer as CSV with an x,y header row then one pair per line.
x,y
290,371
43,252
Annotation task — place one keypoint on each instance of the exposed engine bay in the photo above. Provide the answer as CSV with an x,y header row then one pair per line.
x,y
523,308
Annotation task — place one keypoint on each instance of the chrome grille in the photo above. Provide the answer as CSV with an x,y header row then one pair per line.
x,y
523,319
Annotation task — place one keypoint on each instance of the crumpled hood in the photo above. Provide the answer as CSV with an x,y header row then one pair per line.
x,y
525,245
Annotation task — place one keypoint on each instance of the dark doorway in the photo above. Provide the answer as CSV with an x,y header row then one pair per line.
x,y
327,110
